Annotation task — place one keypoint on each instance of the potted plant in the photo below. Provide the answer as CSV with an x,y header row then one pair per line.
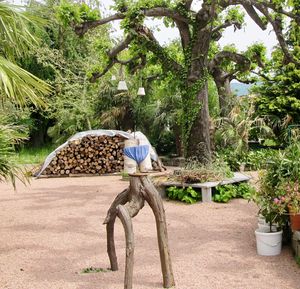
x,y
279,191
269,234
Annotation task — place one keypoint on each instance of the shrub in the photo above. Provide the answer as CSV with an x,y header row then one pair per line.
x,y
253,160
187,195
225,193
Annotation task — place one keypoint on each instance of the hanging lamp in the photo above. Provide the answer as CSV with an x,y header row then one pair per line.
x,y
141,91
122,83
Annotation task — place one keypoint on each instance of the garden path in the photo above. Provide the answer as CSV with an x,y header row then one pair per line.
x,y
51,230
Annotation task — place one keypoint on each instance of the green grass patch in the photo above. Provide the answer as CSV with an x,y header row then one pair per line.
x,y
33,155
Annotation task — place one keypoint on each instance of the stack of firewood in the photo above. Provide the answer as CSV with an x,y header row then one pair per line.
x,y
89,155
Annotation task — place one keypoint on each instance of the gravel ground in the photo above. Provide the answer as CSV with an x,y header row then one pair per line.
x,y
51,230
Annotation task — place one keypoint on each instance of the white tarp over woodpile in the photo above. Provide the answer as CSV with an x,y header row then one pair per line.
x,y
137,135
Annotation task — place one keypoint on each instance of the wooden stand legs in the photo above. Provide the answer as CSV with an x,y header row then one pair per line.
x,y
127,205
127,224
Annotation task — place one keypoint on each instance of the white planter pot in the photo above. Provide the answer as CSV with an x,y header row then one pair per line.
x,y
268,243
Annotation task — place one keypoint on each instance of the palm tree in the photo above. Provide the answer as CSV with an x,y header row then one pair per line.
x,y
16,84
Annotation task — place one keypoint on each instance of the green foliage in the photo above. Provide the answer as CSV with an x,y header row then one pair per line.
x,y
16,40
253,159
282,172
279,93
18,87
70,13
15,36
225,193
257,53
235,14
258,159
65,61
213,99
284,165
235,130
10,135
187,195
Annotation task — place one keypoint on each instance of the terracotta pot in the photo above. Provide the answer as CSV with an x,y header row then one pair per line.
x,y
295,220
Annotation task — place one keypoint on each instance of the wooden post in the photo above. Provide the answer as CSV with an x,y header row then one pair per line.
x,y
155,202
121,199
126,206
125,218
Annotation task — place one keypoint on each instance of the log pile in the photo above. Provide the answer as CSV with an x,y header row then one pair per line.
x,y
89,155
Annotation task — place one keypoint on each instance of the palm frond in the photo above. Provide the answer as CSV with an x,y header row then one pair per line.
x,y
9,136
19,85
15,37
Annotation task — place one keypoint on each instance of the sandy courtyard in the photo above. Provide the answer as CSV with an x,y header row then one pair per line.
x,y
52,230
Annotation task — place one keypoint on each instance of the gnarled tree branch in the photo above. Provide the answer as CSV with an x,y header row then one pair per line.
x,y
166,12
253,14
81,29
243,62
216,34
97,75
226,24
280,10
113,59
120,47
145,34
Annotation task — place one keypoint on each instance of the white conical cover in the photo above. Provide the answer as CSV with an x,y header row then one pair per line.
x,y
141,91
122,85
113,77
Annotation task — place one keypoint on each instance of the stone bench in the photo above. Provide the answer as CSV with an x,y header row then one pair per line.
x,y
206,188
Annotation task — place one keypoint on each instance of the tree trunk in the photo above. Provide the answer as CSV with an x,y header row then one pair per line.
x,y
198,136
198,142
226,97
178,139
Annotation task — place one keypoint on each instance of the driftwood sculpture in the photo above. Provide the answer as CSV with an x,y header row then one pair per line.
x,y
127,205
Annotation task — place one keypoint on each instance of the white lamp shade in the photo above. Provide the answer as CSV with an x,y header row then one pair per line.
x,y
113,77
122,85
141,91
